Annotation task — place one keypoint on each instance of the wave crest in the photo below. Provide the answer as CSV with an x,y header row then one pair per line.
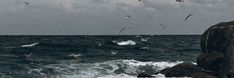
x,y
129,42
30,45
108,69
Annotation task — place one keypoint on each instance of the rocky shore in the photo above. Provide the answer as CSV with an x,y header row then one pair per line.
x,y
216,59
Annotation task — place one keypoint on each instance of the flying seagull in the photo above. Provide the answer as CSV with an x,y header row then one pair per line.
x,y
28,55
26,3
187,17
179,0
122,30
128,16
163,26
75,55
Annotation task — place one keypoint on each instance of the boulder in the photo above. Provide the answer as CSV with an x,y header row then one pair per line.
x,y
182,70
217,50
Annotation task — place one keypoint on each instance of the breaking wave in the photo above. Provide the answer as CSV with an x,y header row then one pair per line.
x,y
128,42
30,45
108,69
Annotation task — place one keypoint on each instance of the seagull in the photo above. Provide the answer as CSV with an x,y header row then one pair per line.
x,y
114,52
187,17
28,55
75,55
179,0
139,0
27,3
128,16
124,29
163,26
144,39
128,21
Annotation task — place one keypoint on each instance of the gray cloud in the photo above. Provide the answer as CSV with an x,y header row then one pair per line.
x,y
106,17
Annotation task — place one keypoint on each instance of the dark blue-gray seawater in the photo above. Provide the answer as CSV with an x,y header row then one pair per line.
x,y
93,56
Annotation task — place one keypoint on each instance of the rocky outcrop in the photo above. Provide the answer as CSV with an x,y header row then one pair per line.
x,y
203,75
217,58
182,70
217,49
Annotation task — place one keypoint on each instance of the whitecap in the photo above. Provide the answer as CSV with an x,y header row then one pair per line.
x,y
118,76
114,41
108,69
30,45
128,42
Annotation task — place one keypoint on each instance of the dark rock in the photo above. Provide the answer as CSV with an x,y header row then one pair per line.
x,y
217,44
182,70
203,75
144,75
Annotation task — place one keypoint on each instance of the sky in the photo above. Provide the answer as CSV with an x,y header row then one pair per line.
x,y
108,17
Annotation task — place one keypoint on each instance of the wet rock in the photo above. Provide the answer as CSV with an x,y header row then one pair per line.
x,y
217,44
203,75
182,70
144,75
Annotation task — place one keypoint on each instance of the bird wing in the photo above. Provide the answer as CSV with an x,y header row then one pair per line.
x,y
162,25
187,17
121,30
26,2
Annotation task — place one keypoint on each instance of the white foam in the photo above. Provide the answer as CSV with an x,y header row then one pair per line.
x,y
30,45
160,76
128,42
118,76
129,69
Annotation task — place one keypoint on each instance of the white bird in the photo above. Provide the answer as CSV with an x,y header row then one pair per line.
x,y
28,55
128,16
114,52
75,55
144,39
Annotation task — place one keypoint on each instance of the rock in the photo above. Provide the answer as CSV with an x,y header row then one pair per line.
x,y
182,70
217,44
203,75
144,75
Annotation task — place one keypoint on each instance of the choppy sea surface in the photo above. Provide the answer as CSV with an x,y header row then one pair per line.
x,y
93,56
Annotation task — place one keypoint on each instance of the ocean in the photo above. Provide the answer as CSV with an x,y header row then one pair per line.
x,y
96,56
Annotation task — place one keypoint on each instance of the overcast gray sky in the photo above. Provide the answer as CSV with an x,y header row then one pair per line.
x,y
107,17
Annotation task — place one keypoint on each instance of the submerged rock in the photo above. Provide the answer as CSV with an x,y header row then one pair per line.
x,y
144,75
217,50
182,70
